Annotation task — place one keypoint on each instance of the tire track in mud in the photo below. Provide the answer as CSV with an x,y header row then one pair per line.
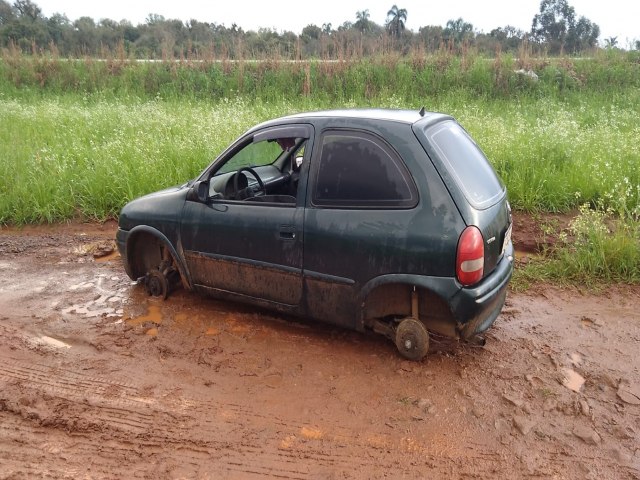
x,y
110,421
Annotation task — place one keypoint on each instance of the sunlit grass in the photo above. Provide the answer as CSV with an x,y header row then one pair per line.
x,y
67,157
74,155
600,247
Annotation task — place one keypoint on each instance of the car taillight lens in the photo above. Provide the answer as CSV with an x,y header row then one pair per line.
x,y
470,257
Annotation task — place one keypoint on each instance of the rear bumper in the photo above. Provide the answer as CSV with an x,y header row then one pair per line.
x,y
476,308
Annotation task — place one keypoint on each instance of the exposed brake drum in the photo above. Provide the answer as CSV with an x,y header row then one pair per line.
x,y
157,284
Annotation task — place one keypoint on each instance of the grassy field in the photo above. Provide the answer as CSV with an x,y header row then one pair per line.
x,y
83,149
66,156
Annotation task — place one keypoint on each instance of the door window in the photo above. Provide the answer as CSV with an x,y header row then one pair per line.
x,y
253,155
360,170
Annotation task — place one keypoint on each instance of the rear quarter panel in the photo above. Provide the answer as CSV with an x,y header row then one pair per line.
x,y
357,245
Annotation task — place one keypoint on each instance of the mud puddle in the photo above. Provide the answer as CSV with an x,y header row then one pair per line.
x,y
99,380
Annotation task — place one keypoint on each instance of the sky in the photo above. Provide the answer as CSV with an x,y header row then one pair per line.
x,y
616,18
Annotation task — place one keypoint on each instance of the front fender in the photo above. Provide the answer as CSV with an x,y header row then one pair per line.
x,y
134,234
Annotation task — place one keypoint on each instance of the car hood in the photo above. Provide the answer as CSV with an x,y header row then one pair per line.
x,y
158,209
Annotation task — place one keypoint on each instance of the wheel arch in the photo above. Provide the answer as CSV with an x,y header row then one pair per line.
x,y
138,263
390,295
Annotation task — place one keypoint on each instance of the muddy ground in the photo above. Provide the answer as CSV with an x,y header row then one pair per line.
x,y
97,380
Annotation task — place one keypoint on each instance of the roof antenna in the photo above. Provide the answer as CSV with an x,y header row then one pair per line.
x,y
421,112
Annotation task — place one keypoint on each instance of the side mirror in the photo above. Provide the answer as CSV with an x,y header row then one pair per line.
x,y
202,191
199,192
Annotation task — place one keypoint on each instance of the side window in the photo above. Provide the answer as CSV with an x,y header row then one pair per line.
x,y
359,170
253,155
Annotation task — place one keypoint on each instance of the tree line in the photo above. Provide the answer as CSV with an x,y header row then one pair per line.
x,y
556,29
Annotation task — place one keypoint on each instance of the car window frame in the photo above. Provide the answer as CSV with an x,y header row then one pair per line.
x,y
393,154
304,130
250,136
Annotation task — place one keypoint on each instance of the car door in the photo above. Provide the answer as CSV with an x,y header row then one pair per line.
x,y
247,248
359,201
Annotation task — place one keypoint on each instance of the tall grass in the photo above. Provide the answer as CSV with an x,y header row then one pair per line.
x,y
86,156
72,157
555,155
411,78
82,137
599,247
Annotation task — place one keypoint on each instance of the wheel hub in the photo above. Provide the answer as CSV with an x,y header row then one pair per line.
x,y
412,338
156,284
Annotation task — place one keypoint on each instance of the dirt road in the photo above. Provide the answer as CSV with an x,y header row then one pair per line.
x,y
97,380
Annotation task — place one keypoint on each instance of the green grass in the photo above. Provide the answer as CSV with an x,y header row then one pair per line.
x,y
80,139
599,248
556,155
74,155
412,78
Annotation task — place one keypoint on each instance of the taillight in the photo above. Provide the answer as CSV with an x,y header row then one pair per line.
x,y
470,257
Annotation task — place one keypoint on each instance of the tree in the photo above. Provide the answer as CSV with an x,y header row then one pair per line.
x,y
85,35
362,21
29,27
130,33
59,27
583,35
28,9
611,42
311,31
154,19
431,36
326,28
552,24
458,31
508,37
396,18
6,13
556,26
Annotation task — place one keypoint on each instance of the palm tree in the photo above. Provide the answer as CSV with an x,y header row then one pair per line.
x,y
611,42
362,21
326,28
395,20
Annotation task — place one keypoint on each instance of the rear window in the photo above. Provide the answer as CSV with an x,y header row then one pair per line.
x,y
467,164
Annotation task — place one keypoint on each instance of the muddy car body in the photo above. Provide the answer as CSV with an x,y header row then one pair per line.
x,y
382,219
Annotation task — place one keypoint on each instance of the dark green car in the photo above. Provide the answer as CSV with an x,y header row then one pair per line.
x,y
389,220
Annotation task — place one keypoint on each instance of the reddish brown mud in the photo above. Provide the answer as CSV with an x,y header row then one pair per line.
x,y
98,380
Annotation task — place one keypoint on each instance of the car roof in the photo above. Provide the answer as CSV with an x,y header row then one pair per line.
x,y
407,117
403,116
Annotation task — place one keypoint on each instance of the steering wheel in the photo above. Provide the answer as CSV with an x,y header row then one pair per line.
x,y
261,190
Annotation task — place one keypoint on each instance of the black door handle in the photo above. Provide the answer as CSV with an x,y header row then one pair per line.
x,y
287,235
287,232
